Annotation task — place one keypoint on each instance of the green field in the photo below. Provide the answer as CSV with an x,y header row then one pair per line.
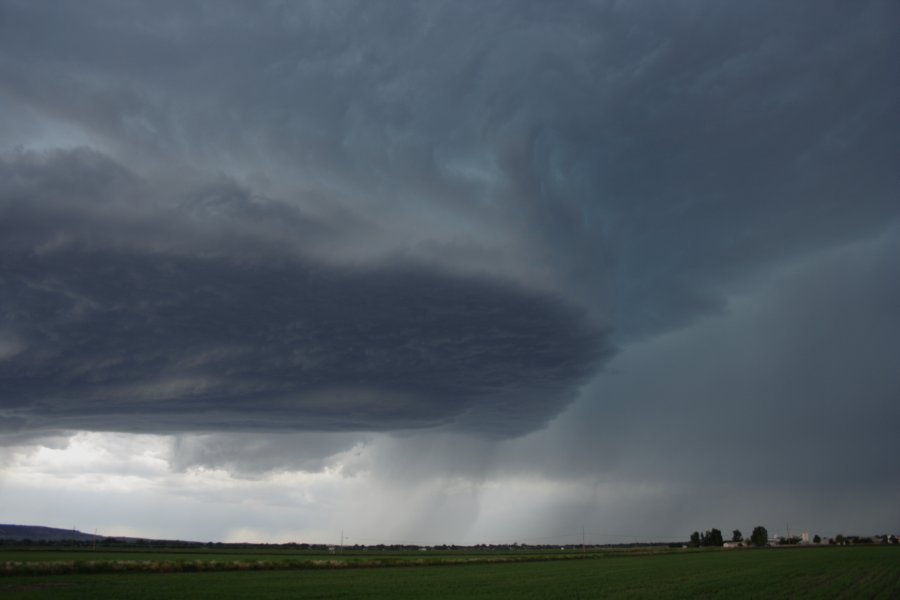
x,y
851,572
56,561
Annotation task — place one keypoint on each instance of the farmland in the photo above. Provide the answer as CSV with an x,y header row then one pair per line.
x,y
872,572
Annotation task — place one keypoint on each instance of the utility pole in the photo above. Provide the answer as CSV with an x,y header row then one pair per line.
x,y
582,541
342,540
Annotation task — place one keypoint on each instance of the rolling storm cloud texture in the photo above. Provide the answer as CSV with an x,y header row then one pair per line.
x,y
110,334
279,231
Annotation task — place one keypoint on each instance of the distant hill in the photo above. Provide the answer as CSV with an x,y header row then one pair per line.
x,y
52,535
44,534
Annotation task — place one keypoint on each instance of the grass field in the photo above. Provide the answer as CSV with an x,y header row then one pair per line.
x,y
850,572
54,561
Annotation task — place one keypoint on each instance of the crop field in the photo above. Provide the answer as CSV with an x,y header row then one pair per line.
x,y
58,561
852,572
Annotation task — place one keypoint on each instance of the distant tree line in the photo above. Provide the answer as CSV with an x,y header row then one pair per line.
x,y
710,538
760,537
713,537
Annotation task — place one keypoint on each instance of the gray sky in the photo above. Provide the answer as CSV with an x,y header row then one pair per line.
x,y
449,271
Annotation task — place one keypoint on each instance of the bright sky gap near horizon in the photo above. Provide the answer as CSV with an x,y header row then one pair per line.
x,y
449,272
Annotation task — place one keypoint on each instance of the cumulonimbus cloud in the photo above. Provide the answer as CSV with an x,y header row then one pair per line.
x,y
155,334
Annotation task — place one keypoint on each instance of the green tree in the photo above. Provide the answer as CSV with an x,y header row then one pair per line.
x,y
760,536
695,539
714,537
737,536
817,539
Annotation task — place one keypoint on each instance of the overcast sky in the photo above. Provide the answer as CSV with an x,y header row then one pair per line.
x,y
450,272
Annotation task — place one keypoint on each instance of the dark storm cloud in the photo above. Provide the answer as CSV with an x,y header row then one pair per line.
x,y
640,155
104,332
82,196
202,343
646,161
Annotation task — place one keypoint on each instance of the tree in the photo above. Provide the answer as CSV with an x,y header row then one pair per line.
x,y
714,537
737,536
839,539
695,539
760,536
817,539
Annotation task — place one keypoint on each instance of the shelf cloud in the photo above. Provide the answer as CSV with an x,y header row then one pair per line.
x,y
109,329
